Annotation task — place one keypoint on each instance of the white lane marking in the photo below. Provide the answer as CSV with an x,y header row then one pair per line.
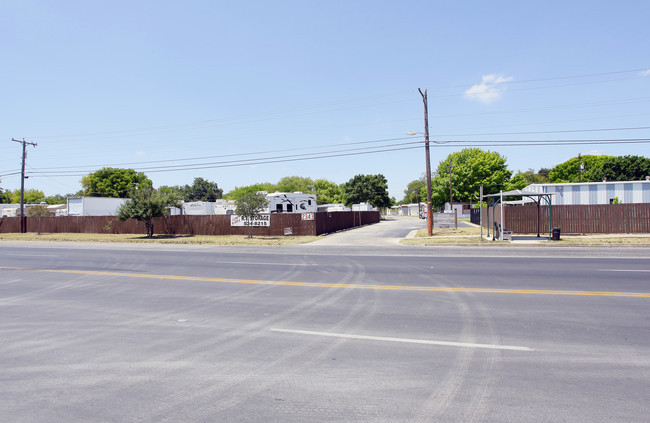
x,y
624,270
404,340
34,255
266,264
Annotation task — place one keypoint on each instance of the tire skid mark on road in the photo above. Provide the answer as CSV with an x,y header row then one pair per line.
x,y
226,392
442,395
301,357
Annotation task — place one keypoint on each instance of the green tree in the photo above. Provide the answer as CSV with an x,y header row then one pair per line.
x,y
249,205
568,171
625,168
5,197
113,182
415,192
543,172
238,192
471,168
295,184
533,177
174,190
371,189
38,212
30,196
516,182
327,192
145,205
57,199
202,190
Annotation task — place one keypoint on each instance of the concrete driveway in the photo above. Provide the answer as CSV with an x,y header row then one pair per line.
x,y
388,232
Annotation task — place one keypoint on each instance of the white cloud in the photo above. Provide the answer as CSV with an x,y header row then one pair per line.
x,y
488,90
140,153
596,152
645,72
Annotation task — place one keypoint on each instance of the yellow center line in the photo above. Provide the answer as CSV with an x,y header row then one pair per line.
x,y
348,286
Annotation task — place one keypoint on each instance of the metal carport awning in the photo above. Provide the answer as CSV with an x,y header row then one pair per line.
x,y
537,197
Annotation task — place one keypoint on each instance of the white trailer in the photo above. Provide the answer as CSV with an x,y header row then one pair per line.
x,y
333,207
198,208
362,207
10,212
222,207
94,206
291,202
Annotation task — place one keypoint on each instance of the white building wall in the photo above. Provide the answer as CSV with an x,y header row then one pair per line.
x,y
595,192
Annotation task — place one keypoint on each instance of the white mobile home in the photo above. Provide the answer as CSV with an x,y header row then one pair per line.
x,y
291,202
198,208
222,207
94,206
362,207
333,207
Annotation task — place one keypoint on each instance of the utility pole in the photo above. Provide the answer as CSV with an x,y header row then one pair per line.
x,y
580,167
23,221
428,160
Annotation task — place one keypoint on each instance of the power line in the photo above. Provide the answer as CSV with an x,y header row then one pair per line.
x,y
369,150
232,155
545,132
335,145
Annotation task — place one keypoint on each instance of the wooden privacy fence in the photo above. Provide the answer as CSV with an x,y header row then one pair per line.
x,y
281,224
592,219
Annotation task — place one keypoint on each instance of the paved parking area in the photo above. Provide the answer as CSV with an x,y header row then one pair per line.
x,y
385,233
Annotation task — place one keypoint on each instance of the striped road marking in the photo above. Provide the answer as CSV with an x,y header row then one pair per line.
x,y
404,340
341,285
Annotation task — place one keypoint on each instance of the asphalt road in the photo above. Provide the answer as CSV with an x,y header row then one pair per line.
x,y
323,333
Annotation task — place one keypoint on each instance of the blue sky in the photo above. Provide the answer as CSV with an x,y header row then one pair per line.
x,y
151,85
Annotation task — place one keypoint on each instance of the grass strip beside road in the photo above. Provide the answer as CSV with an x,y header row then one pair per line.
x,y
473,236
161,239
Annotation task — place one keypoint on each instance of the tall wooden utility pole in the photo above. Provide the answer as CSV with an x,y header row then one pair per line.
x,y
580,167
428,160
23,221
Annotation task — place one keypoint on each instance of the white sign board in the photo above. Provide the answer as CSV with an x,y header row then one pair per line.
x,y
259,220
308,216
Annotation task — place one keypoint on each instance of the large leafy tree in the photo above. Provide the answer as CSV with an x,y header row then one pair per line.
x,y
57,199
625,168
202,190
415,192
30,196
250,204
295,184
371,189
470,168
113,182
237,192
569,171
145,205
533,177
327,192
4,198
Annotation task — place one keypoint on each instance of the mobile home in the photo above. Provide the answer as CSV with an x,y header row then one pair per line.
x,y
291,202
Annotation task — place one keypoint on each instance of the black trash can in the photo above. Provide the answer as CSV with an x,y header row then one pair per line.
x,y
556,234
